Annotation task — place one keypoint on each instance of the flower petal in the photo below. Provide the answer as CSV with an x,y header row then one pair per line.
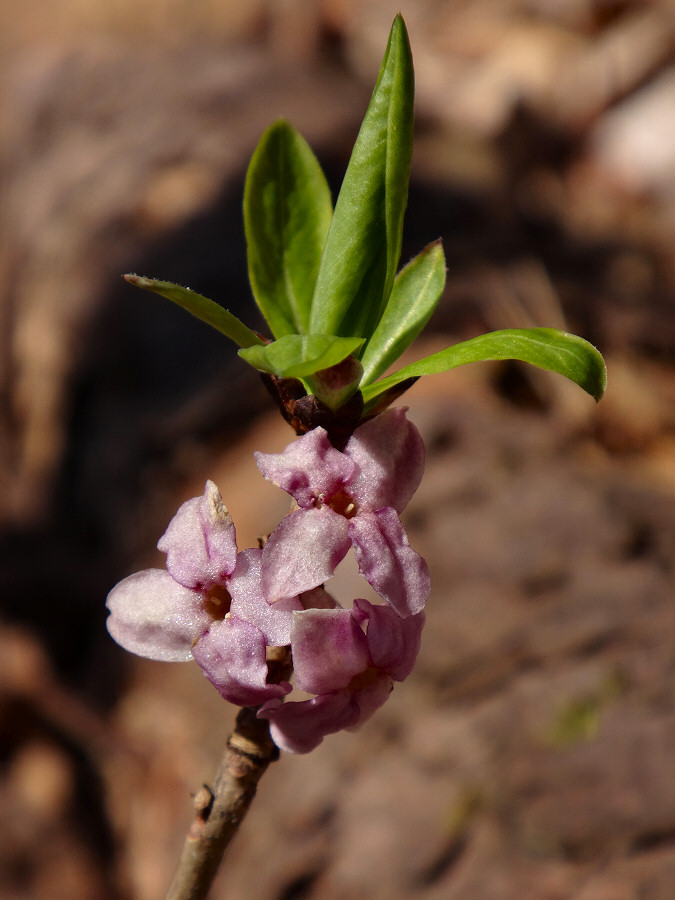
x,y
393,642
371,697
329,649
303,551
389,454
310,469
387,561
248,602
298,727
232,655
200,542
154,616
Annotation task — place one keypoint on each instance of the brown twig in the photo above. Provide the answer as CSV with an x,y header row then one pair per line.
x,y
220,811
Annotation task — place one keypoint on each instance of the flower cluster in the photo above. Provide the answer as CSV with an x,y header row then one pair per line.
x,y
225,607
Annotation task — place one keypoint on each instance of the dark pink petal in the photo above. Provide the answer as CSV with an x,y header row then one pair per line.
x,y
232,655
154,616
300,727
329,649
303,551
393,642
387,561
371,698
249,604
389,455
200,542
310,469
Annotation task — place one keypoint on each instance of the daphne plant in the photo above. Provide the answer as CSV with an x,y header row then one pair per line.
x,y
340,314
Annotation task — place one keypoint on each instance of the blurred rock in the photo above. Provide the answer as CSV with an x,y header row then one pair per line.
x,y
634,141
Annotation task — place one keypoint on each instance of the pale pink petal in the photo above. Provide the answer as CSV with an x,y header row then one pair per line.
x,y
329,649
389,455
248,602
387,561
233,657
303,551
310,469
200,542
154,616
300,727
393,642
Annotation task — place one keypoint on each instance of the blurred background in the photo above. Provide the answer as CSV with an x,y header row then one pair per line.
x,y
530,755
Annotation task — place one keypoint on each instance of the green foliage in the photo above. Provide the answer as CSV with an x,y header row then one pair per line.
x,y
201,308
299,356
579,717
578,721
287,212
415,295
364,241
326,281
546,348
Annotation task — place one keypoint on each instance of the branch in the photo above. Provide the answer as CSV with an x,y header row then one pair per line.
x,y
220,812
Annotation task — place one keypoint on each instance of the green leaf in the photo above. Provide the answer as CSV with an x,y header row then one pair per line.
x,y
415,295
299,356
201,307
287,213
337,384
546,348
364,241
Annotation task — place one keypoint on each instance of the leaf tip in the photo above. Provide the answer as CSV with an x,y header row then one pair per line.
x,y
279,125
595,380
399,29
601,384
140,281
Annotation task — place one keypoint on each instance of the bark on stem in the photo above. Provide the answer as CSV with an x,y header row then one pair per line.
x,y
220,811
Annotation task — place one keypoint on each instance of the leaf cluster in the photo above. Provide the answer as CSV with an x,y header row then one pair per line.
x,y
327,280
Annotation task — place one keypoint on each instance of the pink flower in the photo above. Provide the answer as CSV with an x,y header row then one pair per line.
x,y
348,499
224,608
207,605
350,671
